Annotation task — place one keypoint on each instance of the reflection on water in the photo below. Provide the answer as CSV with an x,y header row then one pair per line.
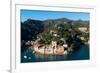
x,y
29,56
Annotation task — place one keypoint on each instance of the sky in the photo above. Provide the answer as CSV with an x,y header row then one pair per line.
x,y
44,15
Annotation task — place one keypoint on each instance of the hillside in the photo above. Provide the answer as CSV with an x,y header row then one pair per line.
x,y
54,29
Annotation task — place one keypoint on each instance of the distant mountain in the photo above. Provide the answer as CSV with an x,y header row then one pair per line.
x,y
31,21
31,28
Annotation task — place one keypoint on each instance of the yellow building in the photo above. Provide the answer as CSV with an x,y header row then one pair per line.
x,y
82,29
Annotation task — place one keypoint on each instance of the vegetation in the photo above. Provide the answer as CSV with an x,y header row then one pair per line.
x,y
61,30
